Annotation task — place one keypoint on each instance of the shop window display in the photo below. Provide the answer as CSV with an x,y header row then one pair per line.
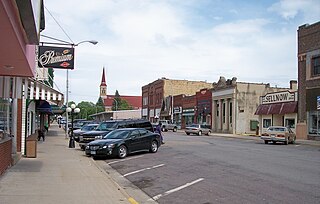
x,y
314,123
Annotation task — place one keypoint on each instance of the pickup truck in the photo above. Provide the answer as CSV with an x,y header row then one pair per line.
x,y
167,125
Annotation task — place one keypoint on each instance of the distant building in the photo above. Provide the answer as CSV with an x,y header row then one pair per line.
x,y
234,105
308,126
108,100
157,97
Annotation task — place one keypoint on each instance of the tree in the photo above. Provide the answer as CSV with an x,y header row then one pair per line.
x,y
100,105
86,109
119,103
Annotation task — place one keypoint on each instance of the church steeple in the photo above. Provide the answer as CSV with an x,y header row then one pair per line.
x,y
103,86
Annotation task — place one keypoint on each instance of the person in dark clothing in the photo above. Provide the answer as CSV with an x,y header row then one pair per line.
x,y
40,134
158,130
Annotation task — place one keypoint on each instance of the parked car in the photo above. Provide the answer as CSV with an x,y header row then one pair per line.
x,y
279,134
167,125
122,142
86,128
107,126
198,129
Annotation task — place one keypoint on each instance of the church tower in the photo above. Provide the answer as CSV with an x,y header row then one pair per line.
x,y
103,86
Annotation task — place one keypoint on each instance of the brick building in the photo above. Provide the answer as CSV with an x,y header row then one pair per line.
x,y
308,126
157,96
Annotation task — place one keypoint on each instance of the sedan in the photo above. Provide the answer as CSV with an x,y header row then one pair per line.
x,y
198,129
121,142
279,134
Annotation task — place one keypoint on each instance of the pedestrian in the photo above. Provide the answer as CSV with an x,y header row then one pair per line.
x,y
158,130
40,134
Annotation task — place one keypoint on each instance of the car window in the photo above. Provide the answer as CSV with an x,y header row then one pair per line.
x,y
194,125
135,133
117,134
107,126
143,132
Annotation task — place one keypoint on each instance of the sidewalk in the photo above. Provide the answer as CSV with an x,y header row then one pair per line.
x,y
59,175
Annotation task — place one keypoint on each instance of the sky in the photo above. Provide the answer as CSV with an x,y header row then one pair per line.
x,y
141,41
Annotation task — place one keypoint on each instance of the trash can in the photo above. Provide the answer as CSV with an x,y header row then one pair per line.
x,y
31,146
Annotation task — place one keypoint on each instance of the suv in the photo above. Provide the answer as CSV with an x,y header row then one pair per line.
x,y
107,126
167,125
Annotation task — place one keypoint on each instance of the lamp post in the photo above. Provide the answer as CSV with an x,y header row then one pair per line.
x,y
94,42
72,110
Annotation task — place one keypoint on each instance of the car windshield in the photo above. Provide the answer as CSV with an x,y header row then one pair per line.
x,y
277,129
107,126
88,127
117,134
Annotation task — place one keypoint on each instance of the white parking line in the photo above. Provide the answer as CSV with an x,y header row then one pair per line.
x,y
134,172
122,160
176,189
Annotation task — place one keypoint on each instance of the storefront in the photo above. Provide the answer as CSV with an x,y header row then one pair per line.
x,y
187,117
278,109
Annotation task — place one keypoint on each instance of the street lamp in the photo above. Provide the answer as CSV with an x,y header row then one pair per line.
x,y
72,110
94,42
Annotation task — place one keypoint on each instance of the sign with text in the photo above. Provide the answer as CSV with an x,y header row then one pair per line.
x,y
56,57
278,97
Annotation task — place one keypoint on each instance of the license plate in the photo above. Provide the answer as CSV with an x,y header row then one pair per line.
x,y
93,152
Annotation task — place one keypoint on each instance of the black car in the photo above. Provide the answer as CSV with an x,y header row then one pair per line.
x,y
86,128
107,126
122,142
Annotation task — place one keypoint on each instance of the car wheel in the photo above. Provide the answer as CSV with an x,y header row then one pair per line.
x,y
174,129
122,152
266,142
163,129
209,132
200,133
187,133
154,146
285,142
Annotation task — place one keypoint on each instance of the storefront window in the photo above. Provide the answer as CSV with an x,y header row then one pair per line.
x,y
266,123
314,123
5,118
290,123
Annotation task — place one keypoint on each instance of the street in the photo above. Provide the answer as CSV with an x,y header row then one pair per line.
x,y
211,169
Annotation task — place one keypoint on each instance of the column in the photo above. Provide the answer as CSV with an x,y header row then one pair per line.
x,y
221,114
227,114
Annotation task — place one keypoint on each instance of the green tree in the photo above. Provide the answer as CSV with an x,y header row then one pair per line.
x,y
119,103
86,109
100,105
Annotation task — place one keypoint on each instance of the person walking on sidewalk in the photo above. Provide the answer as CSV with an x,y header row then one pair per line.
x,y
158,130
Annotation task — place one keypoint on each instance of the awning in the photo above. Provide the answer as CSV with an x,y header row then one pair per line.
x,y
44,107
277,108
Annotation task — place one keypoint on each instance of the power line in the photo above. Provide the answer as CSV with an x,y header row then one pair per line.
x,y
59,24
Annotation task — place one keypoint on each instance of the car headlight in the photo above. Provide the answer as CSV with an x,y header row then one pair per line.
x,y
87,147
109,146
98,137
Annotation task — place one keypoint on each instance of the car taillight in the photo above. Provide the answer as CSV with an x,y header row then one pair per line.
x,y
194,128
280,135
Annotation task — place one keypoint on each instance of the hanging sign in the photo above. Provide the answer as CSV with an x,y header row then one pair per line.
x,y
56,57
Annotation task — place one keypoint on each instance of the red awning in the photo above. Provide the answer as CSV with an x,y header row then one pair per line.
x,y
278,108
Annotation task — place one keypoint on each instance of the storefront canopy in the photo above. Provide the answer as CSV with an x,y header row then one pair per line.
x,y
44,107
278,108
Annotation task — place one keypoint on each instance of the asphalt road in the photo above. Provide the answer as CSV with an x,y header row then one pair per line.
x,y
210,169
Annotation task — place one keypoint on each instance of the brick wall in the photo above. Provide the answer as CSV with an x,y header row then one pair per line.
x,y
5,155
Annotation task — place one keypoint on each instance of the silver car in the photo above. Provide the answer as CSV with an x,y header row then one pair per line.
x,y
198,129
279,134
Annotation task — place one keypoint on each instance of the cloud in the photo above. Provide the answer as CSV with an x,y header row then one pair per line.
x,y
141,41
290,9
